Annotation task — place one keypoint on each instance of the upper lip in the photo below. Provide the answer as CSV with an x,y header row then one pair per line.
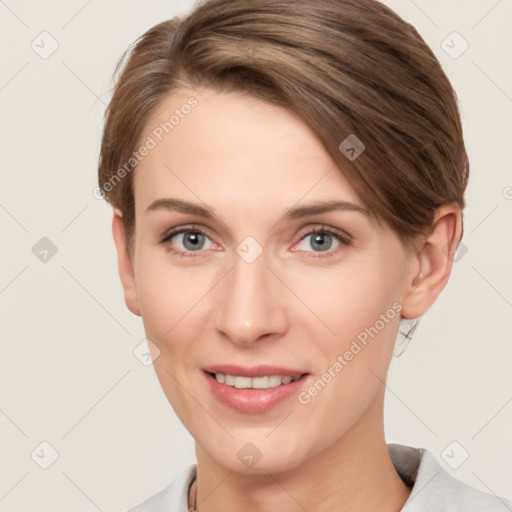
x,y
254,371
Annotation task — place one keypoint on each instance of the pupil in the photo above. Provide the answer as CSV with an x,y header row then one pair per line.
x,y
323,245
193,239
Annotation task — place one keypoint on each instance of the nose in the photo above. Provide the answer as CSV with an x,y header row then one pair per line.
x,y
250,305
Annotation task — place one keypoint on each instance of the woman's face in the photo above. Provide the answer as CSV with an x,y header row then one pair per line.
x,y
253,276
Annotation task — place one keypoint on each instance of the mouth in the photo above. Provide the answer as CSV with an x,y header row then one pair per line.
x,y
263,382
254,393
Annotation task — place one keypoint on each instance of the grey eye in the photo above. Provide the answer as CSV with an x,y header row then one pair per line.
x,y
190,240
319,242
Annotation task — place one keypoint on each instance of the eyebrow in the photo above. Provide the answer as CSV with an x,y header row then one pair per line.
x,y
178,205
293,213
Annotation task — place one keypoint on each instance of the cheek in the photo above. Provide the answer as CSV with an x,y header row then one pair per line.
x,y
346,299
169,299
359,311
166,293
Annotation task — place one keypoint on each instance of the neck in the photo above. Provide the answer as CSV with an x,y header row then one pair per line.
x,y
355,473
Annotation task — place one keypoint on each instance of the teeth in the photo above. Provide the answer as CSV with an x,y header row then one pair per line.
x,y
270,381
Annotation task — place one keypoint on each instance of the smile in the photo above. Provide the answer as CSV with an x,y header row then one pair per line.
x,y
254,394
265,382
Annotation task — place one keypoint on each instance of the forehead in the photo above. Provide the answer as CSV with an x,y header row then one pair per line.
x,y
228,148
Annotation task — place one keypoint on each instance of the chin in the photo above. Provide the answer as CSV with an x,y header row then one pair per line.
x,y
253,455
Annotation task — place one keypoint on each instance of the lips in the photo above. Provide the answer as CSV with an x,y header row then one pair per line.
x,y
252,400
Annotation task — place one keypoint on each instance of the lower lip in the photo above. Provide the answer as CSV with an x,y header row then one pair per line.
x,y
253,400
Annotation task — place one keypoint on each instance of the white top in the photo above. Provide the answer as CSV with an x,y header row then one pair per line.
x,y
433,489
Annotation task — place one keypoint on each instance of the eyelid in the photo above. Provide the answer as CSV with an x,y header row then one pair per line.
x,y
184,228
322,228
189,228
344,239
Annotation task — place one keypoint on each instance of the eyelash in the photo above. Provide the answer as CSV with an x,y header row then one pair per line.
x,y
324,230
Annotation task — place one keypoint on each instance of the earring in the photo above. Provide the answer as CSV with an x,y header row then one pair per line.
x,y
406,331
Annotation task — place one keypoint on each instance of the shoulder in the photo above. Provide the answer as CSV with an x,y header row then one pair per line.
x,y
434,489
172,497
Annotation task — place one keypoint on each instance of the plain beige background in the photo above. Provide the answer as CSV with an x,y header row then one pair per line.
x,y
68,374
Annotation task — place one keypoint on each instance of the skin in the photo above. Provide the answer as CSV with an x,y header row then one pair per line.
x,y
250,162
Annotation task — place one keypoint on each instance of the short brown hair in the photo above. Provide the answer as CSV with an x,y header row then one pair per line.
x,y
346,67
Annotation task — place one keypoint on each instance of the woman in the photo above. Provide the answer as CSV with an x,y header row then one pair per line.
x,y
288,186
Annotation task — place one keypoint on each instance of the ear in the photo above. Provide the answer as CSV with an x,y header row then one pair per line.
x,y
432,261
124,264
